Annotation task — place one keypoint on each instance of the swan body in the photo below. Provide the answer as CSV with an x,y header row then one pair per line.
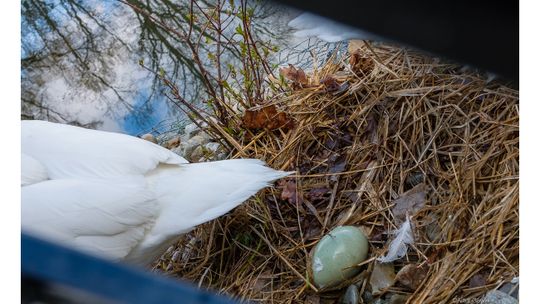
x,y
122,197
310,25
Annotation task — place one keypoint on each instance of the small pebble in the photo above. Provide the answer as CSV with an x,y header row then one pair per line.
x,y
498,297
173,143
351,296
149,137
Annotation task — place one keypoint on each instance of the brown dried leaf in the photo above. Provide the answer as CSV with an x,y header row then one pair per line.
x,y
330,84
266,118
370,135
411,276
478,280
409,202
337,164
435,255
316,194
312,230
382,277
289,191
361,63
331,143
295,75
342,88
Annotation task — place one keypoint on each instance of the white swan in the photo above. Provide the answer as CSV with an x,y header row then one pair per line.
x,y
122,197
311,25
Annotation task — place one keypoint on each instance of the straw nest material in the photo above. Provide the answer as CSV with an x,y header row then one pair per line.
x,y
363,131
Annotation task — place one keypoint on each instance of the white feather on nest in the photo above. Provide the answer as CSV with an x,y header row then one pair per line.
x,y
398,246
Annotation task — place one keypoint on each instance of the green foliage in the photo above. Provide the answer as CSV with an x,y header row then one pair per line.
x,y
243,48
212,57
245,239
210,103
239,30
231,66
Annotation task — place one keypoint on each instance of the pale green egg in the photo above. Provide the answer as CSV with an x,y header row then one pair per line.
x,y
335,255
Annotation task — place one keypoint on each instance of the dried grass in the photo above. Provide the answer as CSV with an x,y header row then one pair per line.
x,y
405,119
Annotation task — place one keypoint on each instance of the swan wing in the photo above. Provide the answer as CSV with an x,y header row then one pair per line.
x,y
196,193
73,152
312,25
32,171
104,217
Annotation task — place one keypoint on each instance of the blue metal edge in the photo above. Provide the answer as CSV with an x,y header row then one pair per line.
x,y
52,263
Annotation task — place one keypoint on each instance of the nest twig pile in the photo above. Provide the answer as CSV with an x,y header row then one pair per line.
x,y
365,132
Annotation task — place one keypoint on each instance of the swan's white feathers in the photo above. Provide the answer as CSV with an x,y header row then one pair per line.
x,y
213,189
398,246
121,196
104,217
229,182
67,151
32,171
312,25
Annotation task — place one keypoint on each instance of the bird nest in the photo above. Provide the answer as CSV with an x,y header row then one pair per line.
x,y
383,132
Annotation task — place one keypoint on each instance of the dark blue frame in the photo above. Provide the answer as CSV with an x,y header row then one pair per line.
x,y
51,263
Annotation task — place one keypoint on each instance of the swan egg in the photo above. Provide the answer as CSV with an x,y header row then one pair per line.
x,y
336,254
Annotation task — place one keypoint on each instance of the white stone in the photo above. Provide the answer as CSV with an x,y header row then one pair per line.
x,y
191,130
498,297
149,137
212,146
192,144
